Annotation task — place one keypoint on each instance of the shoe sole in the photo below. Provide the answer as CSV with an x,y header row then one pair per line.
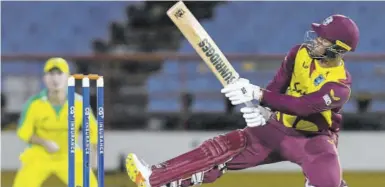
x,y
133,170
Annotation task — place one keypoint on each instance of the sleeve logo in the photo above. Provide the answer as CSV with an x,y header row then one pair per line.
x,y
327,99
335,98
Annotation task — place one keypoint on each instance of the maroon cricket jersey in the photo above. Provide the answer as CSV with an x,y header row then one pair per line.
x,y
307,96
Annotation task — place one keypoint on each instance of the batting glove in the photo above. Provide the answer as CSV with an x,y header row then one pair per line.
x,y
242,91
253,116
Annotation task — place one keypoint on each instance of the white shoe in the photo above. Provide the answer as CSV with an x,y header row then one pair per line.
x,y
138,171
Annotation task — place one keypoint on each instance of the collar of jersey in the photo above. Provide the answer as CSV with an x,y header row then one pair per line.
x,y
44,96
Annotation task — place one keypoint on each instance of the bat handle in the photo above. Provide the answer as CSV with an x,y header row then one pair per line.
x,y
249,104
266,113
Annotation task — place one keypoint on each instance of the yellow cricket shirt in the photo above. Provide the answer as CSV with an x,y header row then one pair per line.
x,y
39,117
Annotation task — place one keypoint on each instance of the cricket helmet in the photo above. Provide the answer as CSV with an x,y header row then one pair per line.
x,y
340,30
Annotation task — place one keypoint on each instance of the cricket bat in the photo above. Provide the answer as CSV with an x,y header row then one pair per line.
x,y
205,46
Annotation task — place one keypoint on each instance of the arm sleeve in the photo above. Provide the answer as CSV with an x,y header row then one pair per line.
x,y
93,129
331,95
25,127
282,78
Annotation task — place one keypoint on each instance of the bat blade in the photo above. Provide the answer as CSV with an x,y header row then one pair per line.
x,y
202,43
205,46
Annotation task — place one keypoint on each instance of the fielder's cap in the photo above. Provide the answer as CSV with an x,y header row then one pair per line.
x,y
56,63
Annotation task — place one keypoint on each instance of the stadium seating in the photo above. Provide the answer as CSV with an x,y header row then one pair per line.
x,y
247,27
54,27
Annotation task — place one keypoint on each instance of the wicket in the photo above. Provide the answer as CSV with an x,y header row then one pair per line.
x,y
85,128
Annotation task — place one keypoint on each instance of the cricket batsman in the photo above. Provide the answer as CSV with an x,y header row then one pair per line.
x,y
43,125
306,96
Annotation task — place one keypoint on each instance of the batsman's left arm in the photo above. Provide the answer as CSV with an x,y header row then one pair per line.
x,y
281,80
331,95
282,77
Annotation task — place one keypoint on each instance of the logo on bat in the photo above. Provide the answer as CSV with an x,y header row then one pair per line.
x,y
179,13
217,61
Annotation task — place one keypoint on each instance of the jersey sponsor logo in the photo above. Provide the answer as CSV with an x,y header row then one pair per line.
x,y
217,61
327,99
318,80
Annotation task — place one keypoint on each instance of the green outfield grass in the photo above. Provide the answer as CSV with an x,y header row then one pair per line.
x,y
276,179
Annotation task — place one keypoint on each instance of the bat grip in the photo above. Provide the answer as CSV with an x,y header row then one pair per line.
x,y
266,113
249,104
